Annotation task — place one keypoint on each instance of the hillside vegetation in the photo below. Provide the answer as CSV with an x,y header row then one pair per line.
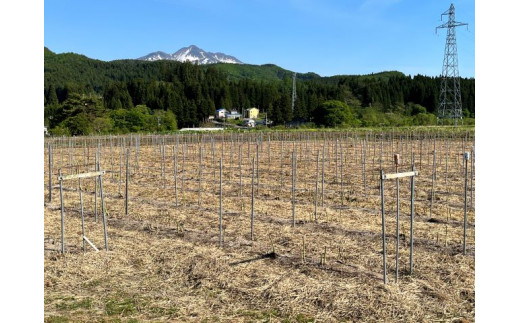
x,y
86,96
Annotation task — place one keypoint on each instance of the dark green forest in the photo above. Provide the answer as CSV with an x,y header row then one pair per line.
x,y
87,96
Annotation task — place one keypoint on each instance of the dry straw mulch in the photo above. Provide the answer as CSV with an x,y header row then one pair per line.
x,y
164,263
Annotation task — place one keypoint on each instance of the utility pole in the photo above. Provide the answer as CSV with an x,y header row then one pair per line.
x,y
450,103
293,92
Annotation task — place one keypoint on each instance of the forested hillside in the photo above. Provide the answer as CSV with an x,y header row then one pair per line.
x,y
87,96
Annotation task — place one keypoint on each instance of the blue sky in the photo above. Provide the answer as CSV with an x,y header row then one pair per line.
x,y
327,37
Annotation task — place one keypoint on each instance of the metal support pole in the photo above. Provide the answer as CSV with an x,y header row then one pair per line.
x,y
127,178
220,207
200,175
103,211
466,158
412,214
316,194
252,197
240,173
50,172
364,169
323,177
62,215
471,177
382,191
397,161
96,162
175,174
293,188
82,214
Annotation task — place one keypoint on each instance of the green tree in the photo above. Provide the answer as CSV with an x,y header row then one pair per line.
x,y
334,113
78,125
166,121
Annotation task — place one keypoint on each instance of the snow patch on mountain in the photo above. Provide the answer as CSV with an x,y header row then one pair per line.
x,y
192,54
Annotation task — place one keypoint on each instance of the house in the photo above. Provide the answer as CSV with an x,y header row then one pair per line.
x,y
233,115
252,113
221,113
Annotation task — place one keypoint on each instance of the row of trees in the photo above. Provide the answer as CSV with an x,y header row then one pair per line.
x,y
85,96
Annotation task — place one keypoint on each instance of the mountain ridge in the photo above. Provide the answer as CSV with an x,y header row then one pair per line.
x,y
192,54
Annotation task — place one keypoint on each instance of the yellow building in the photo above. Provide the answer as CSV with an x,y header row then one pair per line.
x,y
252,113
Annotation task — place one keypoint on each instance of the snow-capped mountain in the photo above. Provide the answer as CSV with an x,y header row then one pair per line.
x,y
192,54
156,56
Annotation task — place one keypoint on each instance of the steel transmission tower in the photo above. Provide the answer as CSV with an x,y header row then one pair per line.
x,y
450,103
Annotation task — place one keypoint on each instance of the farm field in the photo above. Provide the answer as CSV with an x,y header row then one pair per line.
x,y
313,253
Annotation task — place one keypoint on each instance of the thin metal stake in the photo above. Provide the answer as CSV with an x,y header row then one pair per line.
x,y
96,186
252,198
62,214
397,162
82,215
220,208
103,211
412,214
471,177
466,158
126,185
50,172
316,194
293,188
175,173
200,174
323,177
382,190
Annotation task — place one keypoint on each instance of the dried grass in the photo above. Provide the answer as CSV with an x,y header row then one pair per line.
x,y
164,263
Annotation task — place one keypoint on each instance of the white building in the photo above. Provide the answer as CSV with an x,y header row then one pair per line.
x,y
221,113
233,115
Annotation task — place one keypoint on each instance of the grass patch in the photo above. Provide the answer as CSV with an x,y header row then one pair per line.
x,y
72,304
125,306
161,311
56,319
302,318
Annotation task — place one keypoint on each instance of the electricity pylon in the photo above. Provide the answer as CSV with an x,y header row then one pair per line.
x,y
450,103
